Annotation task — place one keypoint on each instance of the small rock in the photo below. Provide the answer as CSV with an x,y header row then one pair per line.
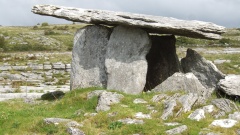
x,y
56,121
106,99
52,95
95,93
172,124
197,115
90,114
75,131
225,105
158,98
168,109
187,101
73,124
208,108
230,85
131,121
217,61
139,101
177,130
234,116
140,115
224,123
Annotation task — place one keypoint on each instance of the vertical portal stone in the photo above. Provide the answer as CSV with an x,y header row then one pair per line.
x,y
162,60
88,57
126,62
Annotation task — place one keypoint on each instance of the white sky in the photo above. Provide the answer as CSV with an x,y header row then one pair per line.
x,y
221,12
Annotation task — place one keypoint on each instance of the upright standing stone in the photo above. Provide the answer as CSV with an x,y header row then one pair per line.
x,y
162,60
88,57
206,72
126,62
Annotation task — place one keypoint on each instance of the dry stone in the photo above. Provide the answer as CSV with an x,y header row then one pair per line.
x,y
206,72
177,130
88,57
224,123
162,60
225,105
154,24
197,115
75,131
126,62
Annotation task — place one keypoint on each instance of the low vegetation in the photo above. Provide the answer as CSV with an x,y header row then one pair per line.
x,y
17,117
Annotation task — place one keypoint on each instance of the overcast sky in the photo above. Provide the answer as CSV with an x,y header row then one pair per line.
x,y
221,12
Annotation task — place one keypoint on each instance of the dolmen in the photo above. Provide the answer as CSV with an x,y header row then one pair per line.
x,y
127,52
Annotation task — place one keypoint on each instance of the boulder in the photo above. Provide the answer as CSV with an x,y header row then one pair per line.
x,y
126,62
230,85
106,99
88,57
206,72
153,24
179,81
162,60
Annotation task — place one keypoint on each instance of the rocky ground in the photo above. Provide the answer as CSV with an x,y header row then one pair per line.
x,y
32,74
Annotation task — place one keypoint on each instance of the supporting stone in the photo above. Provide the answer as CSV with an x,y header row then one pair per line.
x,y
126,62
162,60
88,57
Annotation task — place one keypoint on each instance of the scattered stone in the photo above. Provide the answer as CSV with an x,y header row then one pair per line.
x,y
88,57
90,114
73,124
197,115
75,131
224,123
56,121
172,124
187,101
106,99
126,62
95,93
168,109
131,121
162,60
19,68
139,101
230,86
234,116
208,108
187,82
225,105
206,72
58,66
53,95
158,98
140,115
217,61
177,130
153,24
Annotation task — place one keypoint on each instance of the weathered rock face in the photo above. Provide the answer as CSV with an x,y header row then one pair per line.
x,y
154,24
162,60
88,57
126,62
230,86
206,72
180,81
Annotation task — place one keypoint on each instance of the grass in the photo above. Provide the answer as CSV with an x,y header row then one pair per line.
x,y
17,117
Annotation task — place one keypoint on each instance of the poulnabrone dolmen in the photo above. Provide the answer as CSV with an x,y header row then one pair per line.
x,y
128,52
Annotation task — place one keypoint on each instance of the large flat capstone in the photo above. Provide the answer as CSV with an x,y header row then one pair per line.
x,y
152,24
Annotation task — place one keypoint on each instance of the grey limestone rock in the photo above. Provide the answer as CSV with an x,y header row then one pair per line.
x,y
234,116
187,101
197,115
131,121
206,72
168,109
224,123
95,93
126,62
88,57
106,99
139,101
75,131
225,105
179,81
56,121
154,24
177,130
230,85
